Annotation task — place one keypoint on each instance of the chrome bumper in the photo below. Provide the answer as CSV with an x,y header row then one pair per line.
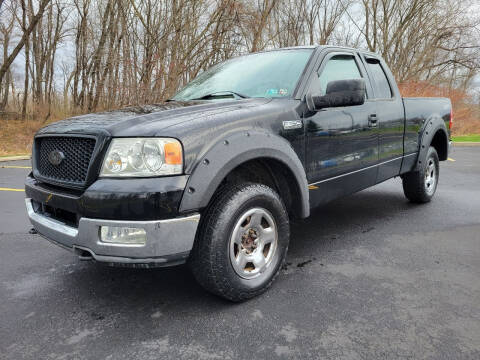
x,y
168,241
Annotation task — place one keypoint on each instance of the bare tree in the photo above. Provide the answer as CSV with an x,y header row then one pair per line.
x,y
7,62
122,52
420,39
6,30
27,59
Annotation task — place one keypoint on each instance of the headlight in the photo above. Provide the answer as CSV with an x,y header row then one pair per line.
x,y
143,157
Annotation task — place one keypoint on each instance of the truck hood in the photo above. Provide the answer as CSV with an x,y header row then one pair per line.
x,y
146,120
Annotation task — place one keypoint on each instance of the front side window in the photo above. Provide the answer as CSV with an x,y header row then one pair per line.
x,y
269,74
380,82
339,67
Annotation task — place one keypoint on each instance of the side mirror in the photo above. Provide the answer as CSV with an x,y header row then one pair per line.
x,y
339,93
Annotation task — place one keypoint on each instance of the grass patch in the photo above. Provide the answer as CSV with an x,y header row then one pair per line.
x,y
466,138
16,136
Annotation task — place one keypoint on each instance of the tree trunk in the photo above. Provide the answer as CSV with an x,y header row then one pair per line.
x,y
9,60
27,62
3,105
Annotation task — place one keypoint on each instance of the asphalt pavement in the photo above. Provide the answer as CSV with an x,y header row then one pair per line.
x,y
369,276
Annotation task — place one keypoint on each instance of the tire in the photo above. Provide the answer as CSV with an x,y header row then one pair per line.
x,y
243,224
420,186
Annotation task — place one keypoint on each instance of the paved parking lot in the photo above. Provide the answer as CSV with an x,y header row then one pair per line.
x,y
370,276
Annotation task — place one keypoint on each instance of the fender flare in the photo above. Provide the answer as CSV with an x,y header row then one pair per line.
x,y
216,163
431,126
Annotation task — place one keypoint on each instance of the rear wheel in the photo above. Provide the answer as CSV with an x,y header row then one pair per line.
x,y
242,241
420,186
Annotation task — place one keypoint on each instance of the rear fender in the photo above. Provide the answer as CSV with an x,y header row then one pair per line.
x,y
431,126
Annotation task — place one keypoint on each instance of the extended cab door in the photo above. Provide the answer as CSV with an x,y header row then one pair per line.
x,y
390,115
342,142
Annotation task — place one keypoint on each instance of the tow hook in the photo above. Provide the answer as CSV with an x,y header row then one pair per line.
x,y
83,255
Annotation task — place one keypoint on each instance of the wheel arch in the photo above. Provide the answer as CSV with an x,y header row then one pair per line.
x,y
229,157
440,143
434,134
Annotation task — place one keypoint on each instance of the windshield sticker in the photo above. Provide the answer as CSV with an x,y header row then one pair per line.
x,y
276,92
271,92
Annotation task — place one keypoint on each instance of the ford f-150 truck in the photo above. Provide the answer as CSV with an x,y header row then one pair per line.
x,y
213,176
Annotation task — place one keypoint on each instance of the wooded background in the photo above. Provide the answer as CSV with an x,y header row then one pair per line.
x,y
65,57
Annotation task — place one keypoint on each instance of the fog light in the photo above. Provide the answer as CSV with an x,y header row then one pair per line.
x,y
123,235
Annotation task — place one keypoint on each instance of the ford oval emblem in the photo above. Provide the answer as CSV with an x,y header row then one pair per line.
x,y
56,157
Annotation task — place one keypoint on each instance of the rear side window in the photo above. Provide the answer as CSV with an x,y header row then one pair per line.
x,y
379,79
339,67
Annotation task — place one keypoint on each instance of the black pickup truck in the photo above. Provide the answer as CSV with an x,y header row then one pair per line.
x,y
213,176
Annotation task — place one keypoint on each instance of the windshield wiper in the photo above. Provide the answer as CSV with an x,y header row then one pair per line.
x,y
222,94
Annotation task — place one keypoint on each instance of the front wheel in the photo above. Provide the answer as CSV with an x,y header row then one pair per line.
x,y
420,186
242,241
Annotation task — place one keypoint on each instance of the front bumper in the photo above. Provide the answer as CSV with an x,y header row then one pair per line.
x,y
115,199
168,241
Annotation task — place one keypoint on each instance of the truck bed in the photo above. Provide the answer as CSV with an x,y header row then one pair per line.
x,y
417,112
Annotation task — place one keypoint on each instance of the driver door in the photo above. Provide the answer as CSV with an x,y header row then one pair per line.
x,y
341,142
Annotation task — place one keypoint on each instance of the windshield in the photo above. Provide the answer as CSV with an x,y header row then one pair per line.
x,y
268,74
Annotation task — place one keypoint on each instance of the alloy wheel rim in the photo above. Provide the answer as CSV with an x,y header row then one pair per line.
x,y
430,176
253,243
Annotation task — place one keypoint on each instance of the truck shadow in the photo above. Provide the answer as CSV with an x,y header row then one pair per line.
x,y
337,224
330,228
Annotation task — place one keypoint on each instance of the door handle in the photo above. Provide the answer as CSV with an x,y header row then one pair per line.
x,y
372,120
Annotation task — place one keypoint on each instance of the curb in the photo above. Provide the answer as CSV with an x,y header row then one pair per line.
x,y
13,158
466,143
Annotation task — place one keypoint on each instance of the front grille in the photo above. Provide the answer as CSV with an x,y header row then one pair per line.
x,y
73,169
